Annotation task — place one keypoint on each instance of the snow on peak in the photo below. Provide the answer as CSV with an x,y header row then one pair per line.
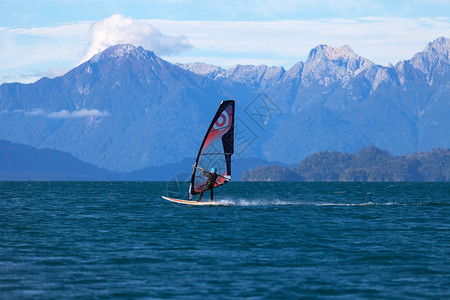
x,y
261,75
330,53
327,65
124,51
433,59
209,71
440,45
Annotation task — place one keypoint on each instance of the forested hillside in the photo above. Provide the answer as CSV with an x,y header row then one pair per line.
x,y
368,164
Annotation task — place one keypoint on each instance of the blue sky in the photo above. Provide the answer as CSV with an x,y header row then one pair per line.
x,y
49,37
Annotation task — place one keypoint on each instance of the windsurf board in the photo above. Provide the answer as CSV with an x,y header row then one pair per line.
x,y
190,202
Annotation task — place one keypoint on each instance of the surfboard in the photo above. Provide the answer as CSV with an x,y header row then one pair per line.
x,y
189,202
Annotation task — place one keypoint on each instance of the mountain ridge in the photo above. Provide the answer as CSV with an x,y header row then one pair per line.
x,y
420,61
127,109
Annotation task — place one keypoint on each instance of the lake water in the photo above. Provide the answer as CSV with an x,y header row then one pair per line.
x,y
63,240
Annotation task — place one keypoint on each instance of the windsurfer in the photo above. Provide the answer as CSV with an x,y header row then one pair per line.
x,y
211,178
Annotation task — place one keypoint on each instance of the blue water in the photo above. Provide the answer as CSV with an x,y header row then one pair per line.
x,y
97,240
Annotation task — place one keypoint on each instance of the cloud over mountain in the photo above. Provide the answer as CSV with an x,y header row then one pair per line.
x,y
118,29
82,113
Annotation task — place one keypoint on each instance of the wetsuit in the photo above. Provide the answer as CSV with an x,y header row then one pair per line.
x,y
210,181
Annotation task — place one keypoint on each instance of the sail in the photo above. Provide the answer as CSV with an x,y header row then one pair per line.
x,y
216,149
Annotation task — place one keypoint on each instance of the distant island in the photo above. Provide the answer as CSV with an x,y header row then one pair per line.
x,y
368,164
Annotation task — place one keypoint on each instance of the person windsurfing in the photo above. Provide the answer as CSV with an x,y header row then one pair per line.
x,y
211,178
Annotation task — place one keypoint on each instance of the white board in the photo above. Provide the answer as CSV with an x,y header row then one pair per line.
x,y
189,202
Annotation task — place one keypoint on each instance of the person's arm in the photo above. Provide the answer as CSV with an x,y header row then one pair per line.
x,y
204,172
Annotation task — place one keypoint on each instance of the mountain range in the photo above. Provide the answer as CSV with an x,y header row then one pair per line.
x,y
127,109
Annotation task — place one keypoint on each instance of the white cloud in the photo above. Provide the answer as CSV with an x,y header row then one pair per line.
x,y
34,112
382,40
62,114
120,30
26,54
83,113
64,31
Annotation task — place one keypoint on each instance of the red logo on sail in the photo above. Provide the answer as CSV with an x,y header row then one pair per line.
x,y
222,121
220,127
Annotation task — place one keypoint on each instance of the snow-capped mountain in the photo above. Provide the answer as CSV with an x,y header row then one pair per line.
x,y
203,69
126,108
116,110
253,76
326,65
434,60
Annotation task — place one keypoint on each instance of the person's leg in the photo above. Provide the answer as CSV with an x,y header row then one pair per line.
x,y
204,189
212,194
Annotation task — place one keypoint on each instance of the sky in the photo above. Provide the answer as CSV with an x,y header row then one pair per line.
x,y
47,38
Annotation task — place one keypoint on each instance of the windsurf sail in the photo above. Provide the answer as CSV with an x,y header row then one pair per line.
x,y
216,149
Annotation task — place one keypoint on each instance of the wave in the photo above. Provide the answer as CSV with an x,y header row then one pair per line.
x,y
275,202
